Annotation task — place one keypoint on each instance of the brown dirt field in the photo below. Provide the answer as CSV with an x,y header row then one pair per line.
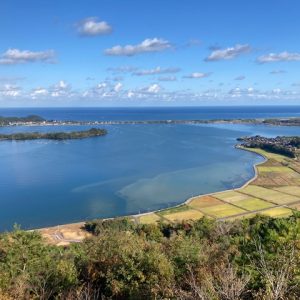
x,y
184,216
205,201
64,234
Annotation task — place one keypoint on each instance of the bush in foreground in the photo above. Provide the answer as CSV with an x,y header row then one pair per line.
x,y
256,258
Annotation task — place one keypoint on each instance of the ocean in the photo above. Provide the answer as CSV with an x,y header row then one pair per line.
x,y
135,168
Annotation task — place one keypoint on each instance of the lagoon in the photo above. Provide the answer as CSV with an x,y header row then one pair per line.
x,y
134,168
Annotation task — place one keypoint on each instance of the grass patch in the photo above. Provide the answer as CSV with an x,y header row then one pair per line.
x,y
172,210
270,155
293,190
149,218
269,194
277,212
253,204
190,214
231,196
223,210
267,169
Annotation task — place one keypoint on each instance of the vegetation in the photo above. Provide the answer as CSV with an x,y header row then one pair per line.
x,y
93,132
255,258
13,120
287,146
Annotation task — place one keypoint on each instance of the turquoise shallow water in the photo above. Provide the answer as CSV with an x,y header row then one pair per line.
x,y
135,168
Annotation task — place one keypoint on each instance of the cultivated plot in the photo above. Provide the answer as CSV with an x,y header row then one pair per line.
x,y
190,214
205,201
223,210
277,212
253,204
269,195
149,218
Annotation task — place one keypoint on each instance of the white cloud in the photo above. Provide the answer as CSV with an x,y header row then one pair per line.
x,y
228,53
157,70
16,56
148,45
38,92
61,89
241,77
9,90
92,27
283,56
197,75
102,85
154,88
118,86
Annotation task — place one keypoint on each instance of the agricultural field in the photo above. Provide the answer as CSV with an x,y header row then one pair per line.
x,y
275,192
253,204
223,210
269,195
205,201
278,212
231,196
190,214
149,218
291,190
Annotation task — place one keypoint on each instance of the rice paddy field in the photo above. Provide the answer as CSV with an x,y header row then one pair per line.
x,y
274,192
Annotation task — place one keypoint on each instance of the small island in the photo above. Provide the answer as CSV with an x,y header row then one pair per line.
x,y
21,136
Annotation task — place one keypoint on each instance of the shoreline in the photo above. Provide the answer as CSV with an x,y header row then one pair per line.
x,y
80,224
288,121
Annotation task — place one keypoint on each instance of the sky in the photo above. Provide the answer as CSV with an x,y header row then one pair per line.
x,y
149,53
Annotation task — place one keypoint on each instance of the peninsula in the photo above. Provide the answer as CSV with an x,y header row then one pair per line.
x,y
21,136
33,120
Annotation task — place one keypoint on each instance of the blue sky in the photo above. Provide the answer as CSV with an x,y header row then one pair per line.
x,y
141,53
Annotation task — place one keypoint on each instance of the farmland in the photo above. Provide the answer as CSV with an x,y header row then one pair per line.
x,y
275,192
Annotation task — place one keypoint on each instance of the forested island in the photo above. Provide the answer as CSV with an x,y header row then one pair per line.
x,y
288,146
20,136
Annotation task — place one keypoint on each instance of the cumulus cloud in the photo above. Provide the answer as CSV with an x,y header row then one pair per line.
x,y
197,75
9,90
241,77
155,71
16,56
93,27
39,92
283,56
154,88
148,45
62,88
118,86
228,53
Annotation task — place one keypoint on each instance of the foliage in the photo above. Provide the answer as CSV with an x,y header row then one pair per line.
x,y
255,258
93,132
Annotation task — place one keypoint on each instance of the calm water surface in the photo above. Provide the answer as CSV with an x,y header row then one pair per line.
x,y
135,168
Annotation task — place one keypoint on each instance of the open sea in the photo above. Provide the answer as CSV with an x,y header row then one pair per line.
x,y
133,169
